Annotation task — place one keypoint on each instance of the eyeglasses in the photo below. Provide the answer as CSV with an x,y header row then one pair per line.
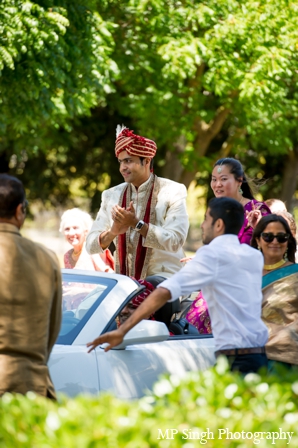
x,y
281,237
25,205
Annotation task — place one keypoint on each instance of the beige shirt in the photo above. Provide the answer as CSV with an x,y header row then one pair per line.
x,y
30,303
166,237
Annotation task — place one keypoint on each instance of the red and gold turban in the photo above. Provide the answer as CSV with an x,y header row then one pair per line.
x,y
141,297
133,144
144,294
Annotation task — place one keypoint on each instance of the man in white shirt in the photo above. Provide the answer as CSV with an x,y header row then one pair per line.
x,y
145,216
230,277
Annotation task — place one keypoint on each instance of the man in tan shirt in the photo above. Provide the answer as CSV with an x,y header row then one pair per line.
x,y
30,299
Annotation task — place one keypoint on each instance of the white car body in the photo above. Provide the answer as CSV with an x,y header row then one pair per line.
x,y
132,368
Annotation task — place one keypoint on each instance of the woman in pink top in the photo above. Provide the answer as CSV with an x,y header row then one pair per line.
x,y
229,180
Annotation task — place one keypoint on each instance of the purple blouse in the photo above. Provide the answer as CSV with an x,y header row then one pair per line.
x,y
246,230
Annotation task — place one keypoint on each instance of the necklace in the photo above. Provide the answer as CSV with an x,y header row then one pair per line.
x,y
243,201
270,267
76,254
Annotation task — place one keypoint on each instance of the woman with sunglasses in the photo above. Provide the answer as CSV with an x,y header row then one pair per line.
x,y
274,238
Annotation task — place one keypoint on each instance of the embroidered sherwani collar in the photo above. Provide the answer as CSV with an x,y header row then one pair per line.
x,y
142,187
148,187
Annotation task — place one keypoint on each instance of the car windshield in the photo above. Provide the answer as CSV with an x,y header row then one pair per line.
x,y
80,297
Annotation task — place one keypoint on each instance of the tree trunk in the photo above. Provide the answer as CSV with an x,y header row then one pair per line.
x,y
4,162
173,167
289,180
205,134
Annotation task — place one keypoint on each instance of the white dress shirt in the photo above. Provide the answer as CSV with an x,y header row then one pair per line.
x,y
166,237
230,277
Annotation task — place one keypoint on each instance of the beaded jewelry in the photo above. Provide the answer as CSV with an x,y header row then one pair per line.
x,y
219,169
270,267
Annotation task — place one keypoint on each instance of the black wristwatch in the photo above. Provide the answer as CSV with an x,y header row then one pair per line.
x,y
139,225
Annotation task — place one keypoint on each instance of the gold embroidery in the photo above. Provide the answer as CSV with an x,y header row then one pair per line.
x,y
151,240
152,219
130,266
95,247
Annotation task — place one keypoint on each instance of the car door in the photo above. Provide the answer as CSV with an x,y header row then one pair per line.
x,y
132,371
90,300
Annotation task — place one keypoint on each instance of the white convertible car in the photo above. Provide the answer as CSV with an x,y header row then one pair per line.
x,y
91,303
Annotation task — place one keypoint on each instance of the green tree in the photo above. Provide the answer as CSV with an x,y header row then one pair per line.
x,y
55,65
203,80
72,164
210,79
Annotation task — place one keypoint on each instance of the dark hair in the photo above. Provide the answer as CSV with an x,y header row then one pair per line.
x,y
237,170
151,162
12,194
261,226
230,211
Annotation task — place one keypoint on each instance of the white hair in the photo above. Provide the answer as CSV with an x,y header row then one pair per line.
x,y
276,205
76,213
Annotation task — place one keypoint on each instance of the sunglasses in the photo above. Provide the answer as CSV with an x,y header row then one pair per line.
x,y
281,237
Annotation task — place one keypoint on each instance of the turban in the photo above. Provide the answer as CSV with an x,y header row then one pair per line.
x,y
133,144
136,301
144,294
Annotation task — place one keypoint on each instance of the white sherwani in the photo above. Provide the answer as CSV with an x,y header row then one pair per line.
x,y
166,237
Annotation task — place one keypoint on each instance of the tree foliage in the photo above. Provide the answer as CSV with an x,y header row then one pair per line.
x,y
78,163
55,63
197,75
205,80
213,408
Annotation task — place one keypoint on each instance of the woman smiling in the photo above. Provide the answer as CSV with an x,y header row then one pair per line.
x,y
274,238
228,179
75,224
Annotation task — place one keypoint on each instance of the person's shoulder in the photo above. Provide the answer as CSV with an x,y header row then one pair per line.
x,y
165,181
117,189
251,252
41,250
226,240
207,253
171,184
230,241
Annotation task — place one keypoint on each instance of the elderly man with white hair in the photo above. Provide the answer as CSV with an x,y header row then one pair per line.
x,y
75,224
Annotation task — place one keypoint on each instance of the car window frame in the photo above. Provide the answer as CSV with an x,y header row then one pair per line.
x,y
111,323
69,338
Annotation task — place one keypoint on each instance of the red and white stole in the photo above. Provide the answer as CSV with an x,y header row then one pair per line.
x,y
141,255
